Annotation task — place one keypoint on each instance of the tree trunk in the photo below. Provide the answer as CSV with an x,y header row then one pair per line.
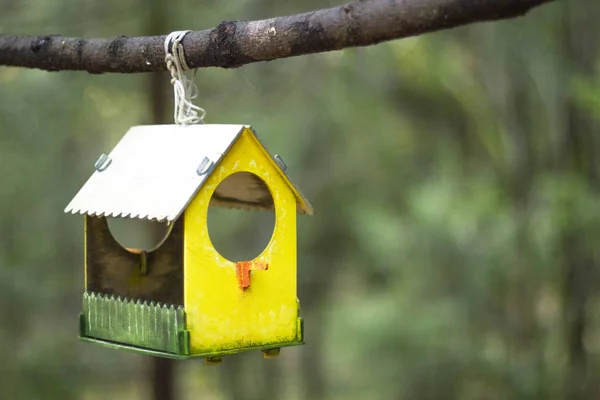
x,y
163,382
163,374
579,151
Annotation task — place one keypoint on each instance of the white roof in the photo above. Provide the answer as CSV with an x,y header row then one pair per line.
x,y
152,173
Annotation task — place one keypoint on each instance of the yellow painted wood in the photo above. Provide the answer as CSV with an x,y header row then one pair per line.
x,y
221,316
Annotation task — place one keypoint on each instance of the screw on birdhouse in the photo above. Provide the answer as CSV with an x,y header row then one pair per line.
x,y
213,360
280,162
271,353
102,163
143,263
204,166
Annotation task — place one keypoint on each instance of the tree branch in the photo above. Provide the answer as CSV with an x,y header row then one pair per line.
x,y
235,43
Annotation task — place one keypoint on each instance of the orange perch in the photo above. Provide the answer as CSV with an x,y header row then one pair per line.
x,y
242,271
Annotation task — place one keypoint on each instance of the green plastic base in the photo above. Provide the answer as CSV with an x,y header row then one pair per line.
x,y
162,354
153,329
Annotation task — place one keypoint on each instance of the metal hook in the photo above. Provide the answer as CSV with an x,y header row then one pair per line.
x,y
102,163
280,162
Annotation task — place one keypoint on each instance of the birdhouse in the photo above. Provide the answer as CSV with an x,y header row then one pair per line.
x,y
184,299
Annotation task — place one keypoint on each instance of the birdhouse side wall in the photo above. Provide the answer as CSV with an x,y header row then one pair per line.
x,y
221,315
113,270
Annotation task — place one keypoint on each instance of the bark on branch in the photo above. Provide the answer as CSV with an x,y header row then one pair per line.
x,y
235,43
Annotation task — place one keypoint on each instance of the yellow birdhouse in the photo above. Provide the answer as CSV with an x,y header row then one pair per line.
x,y
184,299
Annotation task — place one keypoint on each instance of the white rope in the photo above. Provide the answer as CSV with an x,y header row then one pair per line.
x,y
184,88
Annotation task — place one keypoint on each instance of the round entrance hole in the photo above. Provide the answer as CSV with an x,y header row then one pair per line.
x,y
240,234
138,234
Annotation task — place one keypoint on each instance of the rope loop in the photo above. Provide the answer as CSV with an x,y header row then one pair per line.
x,y
184,88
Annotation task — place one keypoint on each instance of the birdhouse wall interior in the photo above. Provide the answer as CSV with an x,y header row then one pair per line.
x,y
110,269
240,305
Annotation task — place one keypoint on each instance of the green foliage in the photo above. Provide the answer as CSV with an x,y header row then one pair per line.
x,y
454,179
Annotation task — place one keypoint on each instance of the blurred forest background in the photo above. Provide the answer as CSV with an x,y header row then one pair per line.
x,y
455,179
